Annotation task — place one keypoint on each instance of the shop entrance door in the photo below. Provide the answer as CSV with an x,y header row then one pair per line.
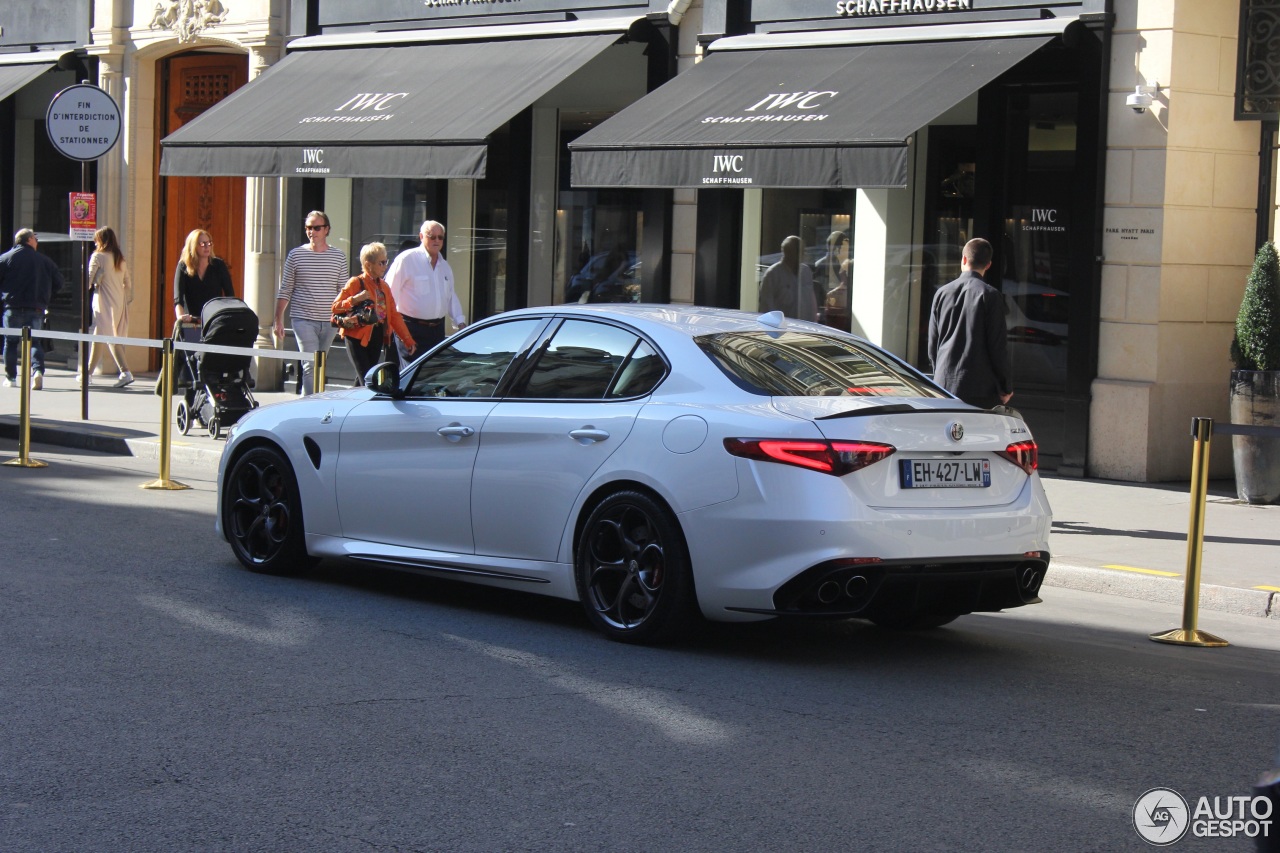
x,y
1036,269
1020,189
189,85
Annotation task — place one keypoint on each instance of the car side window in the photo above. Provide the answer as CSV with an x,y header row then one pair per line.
x,y
579,362
473,364
641,374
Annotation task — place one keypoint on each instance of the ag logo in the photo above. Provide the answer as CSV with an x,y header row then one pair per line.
x,y
1161,817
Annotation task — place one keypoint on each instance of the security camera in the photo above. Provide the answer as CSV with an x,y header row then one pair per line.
x,y
1140,101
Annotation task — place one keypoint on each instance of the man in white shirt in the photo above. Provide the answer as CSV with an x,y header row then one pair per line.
x,y
422,283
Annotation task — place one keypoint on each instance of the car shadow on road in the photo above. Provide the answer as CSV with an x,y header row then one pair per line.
x,y
820,642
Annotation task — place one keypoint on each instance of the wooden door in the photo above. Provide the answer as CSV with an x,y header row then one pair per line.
x,y
189,84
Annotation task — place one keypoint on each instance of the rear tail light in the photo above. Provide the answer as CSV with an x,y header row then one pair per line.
x,y
1024,454
829,457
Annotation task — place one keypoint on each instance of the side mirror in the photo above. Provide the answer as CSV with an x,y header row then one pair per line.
x,y
384,378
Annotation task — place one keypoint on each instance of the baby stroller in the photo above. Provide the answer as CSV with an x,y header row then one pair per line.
x,y
216,387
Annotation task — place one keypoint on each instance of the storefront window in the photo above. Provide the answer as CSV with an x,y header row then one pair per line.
x,y
823,220
391,210
950,185
599,239
1035,258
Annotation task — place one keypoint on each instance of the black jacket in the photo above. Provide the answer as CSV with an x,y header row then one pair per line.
x,y
28,279
967,341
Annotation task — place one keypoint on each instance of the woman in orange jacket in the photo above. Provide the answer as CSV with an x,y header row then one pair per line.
x,y
365,340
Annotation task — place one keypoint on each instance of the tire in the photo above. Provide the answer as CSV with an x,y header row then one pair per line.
x,y
633,572
913,621
215,427
262,514
184,417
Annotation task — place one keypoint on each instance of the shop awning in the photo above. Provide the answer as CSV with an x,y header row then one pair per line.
x,y
793,116
414,110
19,69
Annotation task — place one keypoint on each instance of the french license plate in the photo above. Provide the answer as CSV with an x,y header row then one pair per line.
x,y
945,473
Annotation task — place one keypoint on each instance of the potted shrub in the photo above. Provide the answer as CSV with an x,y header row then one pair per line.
x,y
1255,383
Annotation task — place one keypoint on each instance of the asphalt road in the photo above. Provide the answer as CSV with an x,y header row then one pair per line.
x,y
157,697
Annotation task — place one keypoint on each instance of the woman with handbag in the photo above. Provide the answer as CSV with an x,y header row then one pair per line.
x,y
112,290
365,313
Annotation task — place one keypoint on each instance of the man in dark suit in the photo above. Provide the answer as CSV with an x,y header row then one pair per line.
x,y
967,334
28,280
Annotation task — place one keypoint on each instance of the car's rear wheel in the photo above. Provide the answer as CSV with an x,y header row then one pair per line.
x,y
262,513
913,621
633,571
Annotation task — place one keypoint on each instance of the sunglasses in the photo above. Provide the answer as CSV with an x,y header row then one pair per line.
x,y
435,236
381,263
315,227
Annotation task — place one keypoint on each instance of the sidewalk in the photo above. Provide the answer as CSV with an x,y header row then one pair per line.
x,y
1126,539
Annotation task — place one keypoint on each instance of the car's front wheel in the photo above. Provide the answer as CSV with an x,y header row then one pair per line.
x,y
262,513
633,571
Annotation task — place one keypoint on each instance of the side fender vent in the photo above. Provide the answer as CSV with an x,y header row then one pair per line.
x,y
313,451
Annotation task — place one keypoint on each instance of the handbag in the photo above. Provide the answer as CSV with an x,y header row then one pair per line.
x,y
364,314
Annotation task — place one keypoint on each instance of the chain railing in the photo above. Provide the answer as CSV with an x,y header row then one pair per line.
x,y
168,368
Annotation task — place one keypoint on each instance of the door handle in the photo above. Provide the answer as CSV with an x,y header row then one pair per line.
x,y
586,435
456,432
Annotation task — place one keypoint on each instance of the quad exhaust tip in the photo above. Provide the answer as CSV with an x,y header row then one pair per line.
x,y
829,591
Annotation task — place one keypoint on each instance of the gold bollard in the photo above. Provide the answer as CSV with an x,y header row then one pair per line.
x,y
166,414
318,383
24,459
1188,634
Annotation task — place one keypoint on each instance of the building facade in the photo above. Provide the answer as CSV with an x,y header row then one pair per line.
x,y
660,150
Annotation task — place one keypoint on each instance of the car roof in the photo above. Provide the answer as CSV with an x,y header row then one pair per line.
x,y
691,320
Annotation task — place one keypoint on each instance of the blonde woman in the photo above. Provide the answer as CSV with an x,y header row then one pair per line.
x,y
365,343
201,275
112,292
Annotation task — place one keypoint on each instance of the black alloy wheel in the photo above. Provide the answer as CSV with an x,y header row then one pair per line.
x,y
184,417
262,513
633,571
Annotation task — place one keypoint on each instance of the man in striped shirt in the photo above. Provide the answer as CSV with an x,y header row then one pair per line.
x,y
313,274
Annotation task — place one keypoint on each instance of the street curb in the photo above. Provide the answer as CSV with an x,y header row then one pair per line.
x,y
117,442
1223,599
179,453
82,436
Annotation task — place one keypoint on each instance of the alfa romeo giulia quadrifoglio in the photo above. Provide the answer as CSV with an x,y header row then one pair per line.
x,y
659,464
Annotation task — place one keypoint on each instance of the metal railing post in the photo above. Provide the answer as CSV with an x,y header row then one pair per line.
x,y
1188,634
318,381
24,459
166,414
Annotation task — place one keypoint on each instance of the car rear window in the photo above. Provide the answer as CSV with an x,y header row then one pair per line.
x,y
803,364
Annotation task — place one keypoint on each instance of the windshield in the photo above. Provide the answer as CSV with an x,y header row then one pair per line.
x,y
804,364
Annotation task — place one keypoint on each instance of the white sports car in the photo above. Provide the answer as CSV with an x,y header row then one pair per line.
x,y
653,462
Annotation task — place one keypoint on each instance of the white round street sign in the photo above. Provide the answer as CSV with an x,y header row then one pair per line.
x,y
83,122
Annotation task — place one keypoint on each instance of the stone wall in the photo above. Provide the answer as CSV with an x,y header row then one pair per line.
x,y
1179,220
